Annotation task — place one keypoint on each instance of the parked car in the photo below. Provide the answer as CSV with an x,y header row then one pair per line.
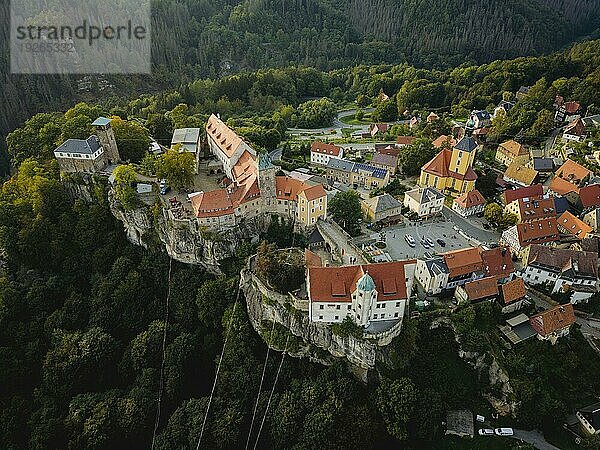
x,y
410,240
164,187
430,242
486,432
486,225
504,431
441,242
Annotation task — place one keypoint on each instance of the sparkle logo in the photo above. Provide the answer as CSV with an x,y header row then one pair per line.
x,y
80,37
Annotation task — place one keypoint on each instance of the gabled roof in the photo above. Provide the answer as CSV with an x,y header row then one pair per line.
x,y
314,192
466,144
536,208
325,149
571,107
520,173
553,319
463,261
538,231
573,172
385,160
541,164
424,195
225,138
513,290
336,284
185,136
562,187
440,164
470,199
560,260
405,140
101,122
590,196
312,259
527,191
382,203
513,148
482,288
573,225
497,262
438,142
387,149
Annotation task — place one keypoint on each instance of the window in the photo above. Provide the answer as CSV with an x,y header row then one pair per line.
x,y
383,305
377,306
375,316
395,314
337,306
348,307
337,317
320,317
397,304
320,306
382,316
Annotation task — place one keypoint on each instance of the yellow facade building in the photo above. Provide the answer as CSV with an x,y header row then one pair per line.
x,y
451,171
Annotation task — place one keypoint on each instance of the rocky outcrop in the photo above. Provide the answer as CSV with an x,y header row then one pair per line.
x,y
319,342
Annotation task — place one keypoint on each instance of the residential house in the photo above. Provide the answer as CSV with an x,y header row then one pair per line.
x,y
356,174
366,293
503,108
388,149
378,128
589,198
589,418
414,122
432,117
512,295
508,151
520,236
522,92
92,154
226,145
432,275
478,290
444,141
565,109
510,195
532,208
573,172
387,162
553,323
469,203
479,119
592,218
520,175
321,152
565,189
451,170
573,226
384,209
403,141
563,270
542,165
497,263
463,265
424,201
574,131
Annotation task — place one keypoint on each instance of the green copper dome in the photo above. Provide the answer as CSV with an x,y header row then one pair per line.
x,y
366,283
264,161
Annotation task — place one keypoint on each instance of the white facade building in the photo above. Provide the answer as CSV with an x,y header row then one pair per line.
x,y
226,145
424,201
321,153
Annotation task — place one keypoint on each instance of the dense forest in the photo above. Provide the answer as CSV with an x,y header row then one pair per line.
x,y
214,38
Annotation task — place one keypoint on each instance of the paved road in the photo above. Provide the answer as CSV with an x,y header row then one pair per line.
x,y
472,227
535,438
333,232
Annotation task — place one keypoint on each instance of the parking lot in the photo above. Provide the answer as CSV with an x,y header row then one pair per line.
x,y
398,248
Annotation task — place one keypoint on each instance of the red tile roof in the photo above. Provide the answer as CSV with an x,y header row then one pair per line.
x,y
538,231
573,225
326,149
531,208
405,140
590,195
312,259
463,261
562,187
528,191
440,164
443,139
497,262
482,288
225,138
554,319
513,290
336,284
314,192
512,148
573,172
470,199
571,107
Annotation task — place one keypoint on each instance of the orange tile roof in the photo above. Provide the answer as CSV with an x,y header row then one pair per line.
x,y
497,262
225,138
312,259
212,204
573,172
573,225
512,148
571,107
326,149
443,139
562,187
513,290
482,288
405,140
314,192
538,231
440,164
521,173
528,191
463,261
470,199
244,167
553,319
336,284
590,195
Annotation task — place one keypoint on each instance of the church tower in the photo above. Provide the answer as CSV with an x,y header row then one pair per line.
x,y
107,139
266,178
364,299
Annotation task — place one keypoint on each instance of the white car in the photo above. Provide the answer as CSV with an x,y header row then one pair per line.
x,y
486,432
410,240
504,431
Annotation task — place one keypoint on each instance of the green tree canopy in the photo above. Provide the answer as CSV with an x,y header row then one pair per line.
x,y
345,209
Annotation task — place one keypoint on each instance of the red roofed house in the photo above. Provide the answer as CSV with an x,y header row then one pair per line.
x,y
444,140
553,323
589,197
574,131
366,293
403,141
477,290
320,153
225,144
378,128
573,172
569,224
463,265
527,191
563,110
512,295
532,208
469,203
451,171
497,262
521,235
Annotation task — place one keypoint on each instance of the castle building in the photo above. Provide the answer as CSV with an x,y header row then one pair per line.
x,y
451,171
226,145
366,293
92,154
